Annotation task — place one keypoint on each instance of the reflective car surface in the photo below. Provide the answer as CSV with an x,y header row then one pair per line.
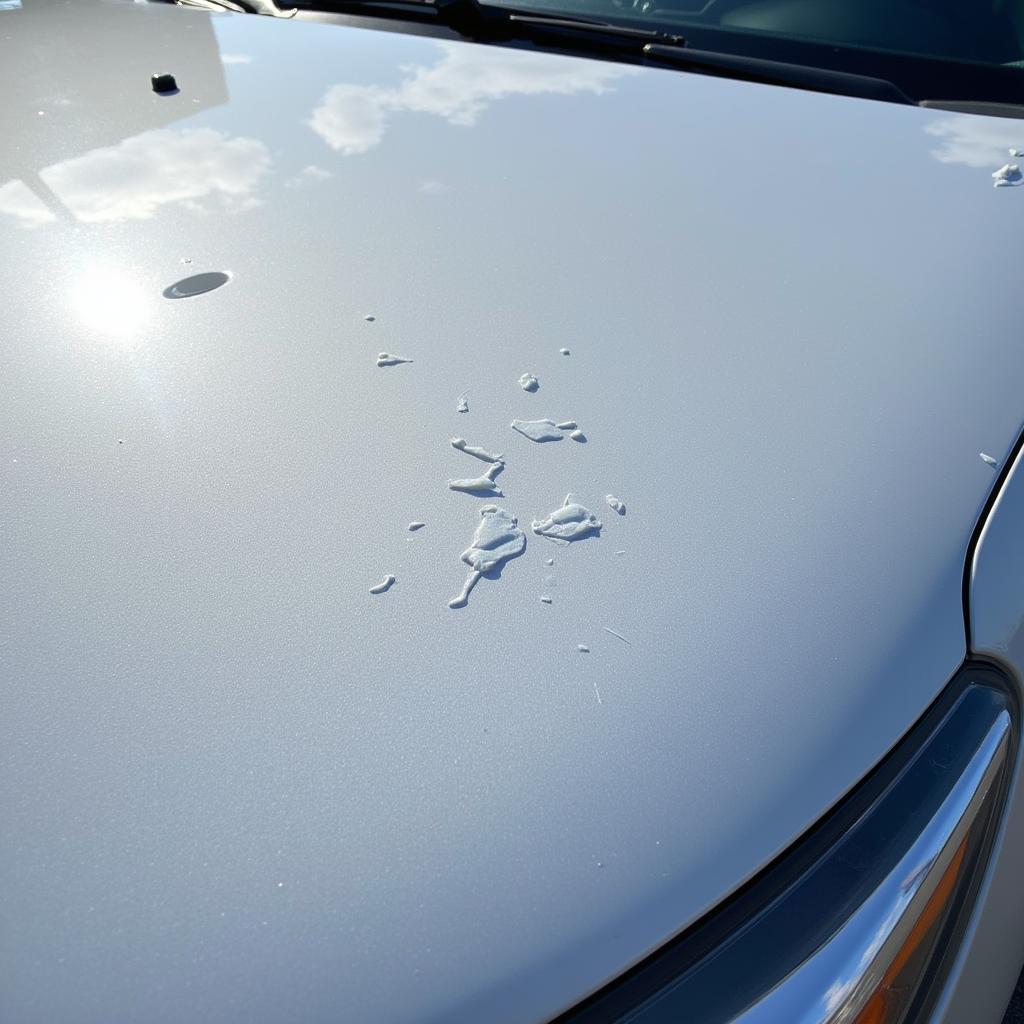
x,y
274,751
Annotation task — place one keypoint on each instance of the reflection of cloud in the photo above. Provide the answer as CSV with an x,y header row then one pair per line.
x,y
836,995
974,140
307,176
353,118
434,188
17,199
235,58
132,180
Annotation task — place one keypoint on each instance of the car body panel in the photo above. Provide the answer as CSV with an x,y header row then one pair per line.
x,y
996,594
238,786
989,963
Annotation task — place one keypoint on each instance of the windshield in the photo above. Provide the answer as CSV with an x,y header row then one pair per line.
x,y
988,32
953,54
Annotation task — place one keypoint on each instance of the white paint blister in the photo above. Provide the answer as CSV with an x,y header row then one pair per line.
x,y
462,445
572,521
1007,176
497,539
538,430
386,359
479,484
615,504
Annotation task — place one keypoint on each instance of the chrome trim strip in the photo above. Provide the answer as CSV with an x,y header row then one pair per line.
x,y
833,985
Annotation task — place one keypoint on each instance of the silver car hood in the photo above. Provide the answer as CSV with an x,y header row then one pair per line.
x,y
239,786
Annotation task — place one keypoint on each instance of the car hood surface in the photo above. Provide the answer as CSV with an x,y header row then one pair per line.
x,y
239,786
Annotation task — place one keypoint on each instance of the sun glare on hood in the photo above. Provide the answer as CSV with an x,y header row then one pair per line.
x,y
110,304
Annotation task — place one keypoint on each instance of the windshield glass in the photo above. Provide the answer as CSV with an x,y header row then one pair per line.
x,y
987,32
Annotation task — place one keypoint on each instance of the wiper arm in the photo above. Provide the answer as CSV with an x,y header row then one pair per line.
x,y
771,72
493,22
473,13
603,27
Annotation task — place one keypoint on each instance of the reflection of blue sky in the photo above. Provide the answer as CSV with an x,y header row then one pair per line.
x,y
459,87
975,141
198,168
858,976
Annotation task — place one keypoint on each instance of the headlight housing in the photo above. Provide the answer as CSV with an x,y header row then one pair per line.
x,y
859,921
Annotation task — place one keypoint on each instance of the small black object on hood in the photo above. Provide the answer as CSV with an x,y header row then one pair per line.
x,y
164,83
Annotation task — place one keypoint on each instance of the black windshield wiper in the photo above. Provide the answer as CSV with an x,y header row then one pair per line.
x,y
609,28
771,72
673,49
489,22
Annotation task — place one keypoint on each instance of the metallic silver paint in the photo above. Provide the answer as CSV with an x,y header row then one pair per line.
x,y
997,590
990,962
237,787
